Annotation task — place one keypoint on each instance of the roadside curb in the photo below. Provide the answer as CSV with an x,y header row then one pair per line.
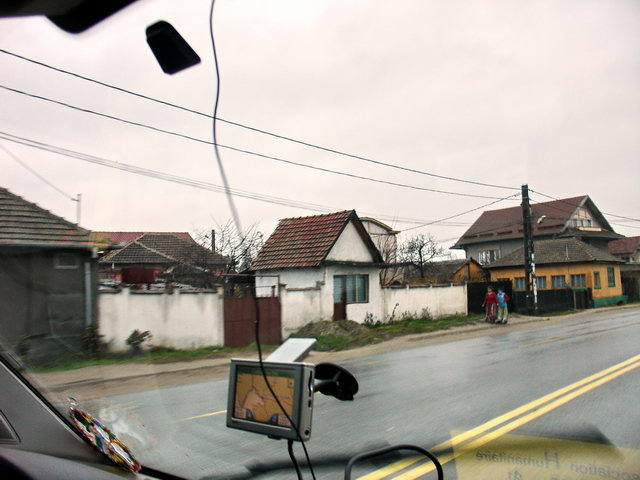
x,y
223,363
102,381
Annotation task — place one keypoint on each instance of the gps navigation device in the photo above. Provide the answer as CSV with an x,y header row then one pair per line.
x,y
252,407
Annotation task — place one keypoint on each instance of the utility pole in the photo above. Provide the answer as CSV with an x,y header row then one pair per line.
x,y
531,290
78,201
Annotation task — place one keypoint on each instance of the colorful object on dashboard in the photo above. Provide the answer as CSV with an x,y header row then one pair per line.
x,y
102,438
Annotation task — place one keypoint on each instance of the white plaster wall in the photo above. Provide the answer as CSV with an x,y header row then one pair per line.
x,y
355,311
350,247
178,320
290,277
300,307
315,302
440,301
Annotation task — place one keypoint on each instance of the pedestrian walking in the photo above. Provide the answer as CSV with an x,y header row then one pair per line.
x,y
490,305
503,309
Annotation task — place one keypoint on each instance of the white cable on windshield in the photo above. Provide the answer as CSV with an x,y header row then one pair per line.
x,y
236,220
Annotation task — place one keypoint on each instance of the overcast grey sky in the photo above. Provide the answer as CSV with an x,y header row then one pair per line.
x,y
543,92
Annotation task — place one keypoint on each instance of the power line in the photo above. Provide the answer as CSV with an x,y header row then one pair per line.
x,y
624,225
202,185
36,174
163,176
575,205
462,213
254,129
240,150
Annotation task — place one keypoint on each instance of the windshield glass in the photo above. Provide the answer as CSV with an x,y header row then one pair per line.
x,y
443,194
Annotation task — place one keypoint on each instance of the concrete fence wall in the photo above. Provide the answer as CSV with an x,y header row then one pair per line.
x,y
305,305
439,301
178,320
300,307
192,320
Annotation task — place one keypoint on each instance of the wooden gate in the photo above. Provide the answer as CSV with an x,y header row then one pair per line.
x,y
240,318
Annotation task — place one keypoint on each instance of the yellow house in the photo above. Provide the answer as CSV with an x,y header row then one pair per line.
x,y
564,263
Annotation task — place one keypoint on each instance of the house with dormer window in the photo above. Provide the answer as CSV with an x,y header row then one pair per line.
x,y
497,233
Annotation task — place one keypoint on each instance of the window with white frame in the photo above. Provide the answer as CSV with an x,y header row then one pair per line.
x,y
488,256
521,283
351,288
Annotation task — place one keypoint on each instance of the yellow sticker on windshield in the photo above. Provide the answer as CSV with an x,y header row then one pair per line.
x,y
520,457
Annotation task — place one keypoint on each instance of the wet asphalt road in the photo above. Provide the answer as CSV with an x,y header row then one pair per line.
x,y
421,396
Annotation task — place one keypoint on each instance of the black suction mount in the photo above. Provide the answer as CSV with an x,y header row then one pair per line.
x,y
335,381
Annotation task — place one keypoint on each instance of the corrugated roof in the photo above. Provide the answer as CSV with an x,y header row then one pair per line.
x,y
163,249
125,237
23,223
559,250
306,241
624,246
506,223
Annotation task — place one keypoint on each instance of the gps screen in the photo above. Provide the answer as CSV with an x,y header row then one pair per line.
x,y
253,400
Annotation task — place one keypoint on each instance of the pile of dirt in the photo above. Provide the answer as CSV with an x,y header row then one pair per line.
x,y
340,328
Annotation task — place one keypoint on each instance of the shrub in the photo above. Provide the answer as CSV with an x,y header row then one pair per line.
x,y
23,346
92,343
136,339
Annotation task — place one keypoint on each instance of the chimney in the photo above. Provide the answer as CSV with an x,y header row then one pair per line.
x,y
213,241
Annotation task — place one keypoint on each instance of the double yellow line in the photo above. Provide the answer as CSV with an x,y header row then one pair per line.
x,y
477,437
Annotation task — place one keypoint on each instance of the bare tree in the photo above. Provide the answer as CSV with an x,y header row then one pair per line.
x,y
419,250
388,247
240,249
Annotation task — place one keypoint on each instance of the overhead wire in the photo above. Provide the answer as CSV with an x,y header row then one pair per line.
x,y
461,213
254,129
577,205
239,150
162,175
36,174
159,175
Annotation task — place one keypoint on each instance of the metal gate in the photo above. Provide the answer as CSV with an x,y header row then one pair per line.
x,y
240,318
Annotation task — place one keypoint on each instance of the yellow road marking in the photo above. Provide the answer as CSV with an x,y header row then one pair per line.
x,y
203,415
455,441
547,340
478,442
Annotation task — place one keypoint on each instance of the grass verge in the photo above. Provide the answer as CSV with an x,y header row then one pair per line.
x,y
154,355
379,332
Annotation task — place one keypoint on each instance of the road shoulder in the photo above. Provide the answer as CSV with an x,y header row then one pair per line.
x,y
95,381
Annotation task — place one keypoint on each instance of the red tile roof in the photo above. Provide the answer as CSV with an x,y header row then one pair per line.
x,y
23,223
506,223
163,249
306,241
557,251
125,237
624,246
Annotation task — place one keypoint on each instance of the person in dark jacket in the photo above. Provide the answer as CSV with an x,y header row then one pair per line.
x,y
490,305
